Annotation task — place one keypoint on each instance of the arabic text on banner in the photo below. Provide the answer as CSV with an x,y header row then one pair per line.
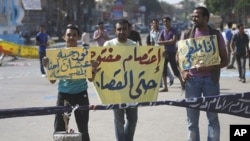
x,y
68,63
202,50
128,74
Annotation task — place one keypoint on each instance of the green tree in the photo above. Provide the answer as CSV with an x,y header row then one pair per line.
x,y
242,8
230,10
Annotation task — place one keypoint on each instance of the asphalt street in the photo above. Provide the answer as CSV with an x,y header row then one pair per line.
x,y
21,85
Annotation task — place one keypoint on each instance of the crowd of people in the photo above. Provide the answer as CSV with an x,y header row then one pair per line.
x,y
202,81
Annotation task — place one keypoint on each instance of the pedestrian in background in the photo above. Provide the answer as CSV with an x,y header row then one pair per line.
x,y
229,36
123,133
134,35
204,80
85,39
240,48
42,42
100,35
168,38
152,40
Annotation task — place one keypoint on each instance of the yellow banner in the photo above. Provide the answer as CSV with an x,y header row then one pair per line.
x,y
25,51
68,63
29,52
198,51
9,48
128,74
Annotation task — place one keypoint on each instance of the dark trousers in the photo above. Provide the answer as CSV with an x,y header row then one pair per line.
x,y
41,55
170,57
241,64
81,116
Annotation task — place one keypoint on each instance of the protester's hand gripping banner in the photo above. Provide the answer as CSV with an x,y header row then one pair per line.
x,y
68,63
124,74
128,74
198,51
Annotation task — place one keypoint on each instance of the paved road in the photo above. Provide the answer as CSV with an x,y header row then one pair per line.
x,y
21,85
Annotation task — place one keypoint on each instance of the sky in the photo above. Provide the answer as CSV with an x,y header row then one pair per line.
x,y
172,1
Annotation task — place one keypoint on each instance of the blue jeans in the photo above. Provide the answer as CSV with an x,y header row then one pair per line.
x,y
195,87
241,64
125,133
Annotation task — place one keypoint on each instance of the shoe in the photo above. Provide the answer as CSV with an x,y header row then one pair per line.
x,y
243,80
14,59
230,67
171,82
183,88
43,75
164,90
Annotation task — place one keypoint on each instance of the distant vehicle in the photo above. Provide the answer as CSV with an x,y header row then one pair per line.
x,y
144,29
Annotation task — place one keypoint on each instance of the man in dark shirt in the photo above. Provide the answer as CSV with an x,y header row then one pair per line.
x,y
240,48
134,35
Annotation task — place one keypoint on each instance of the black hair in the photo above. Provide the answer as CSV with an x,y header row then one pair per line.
x,y
122,21
230,24
204,11
240,25
100,23
167,19
74,27
156,20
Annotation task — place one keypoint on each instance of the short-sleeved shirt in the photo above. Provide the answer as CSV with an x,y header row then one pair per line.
x,y
72,86
221,44
167,35
241,42
135,36
154,36
228,34
115,42
101,40
42,38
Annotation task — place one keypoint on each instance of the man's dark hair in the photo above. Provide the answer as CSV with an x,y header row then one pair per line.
x,y
167,19
74,27
156,20
204,11
240,25
41,25
229,24
121,21
100,23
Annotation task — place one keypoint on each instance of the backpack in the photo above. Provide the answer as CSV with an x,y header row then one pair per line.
x,y
215,74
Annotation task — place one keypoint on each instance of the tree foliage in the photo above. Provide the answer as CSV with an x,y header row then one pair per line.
x,y
230,10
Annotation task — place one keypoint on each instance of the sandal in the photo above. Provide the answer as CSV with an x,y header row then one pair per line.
x,y
164,90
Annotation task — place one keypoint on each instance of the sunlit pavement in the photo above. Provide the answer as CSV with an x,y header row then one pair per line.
x,y
21,85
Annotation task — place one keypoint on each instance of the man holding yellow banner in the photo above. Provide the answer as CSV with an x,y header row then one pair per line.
x,y
72,87
200,59
127,134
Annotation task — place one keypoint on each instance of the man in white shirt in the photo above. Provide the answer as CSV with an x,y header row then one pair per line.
x,y
123,133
